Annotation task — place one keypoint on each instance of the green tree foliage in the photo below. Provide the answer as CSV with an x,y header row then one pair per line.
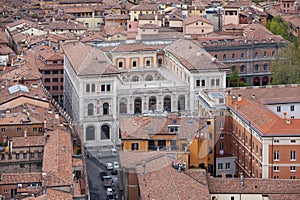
x,y
235,79
279,27
286,66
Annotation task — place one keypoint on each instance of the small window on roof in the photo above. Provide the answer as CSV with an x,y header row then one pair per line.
x,y
204,43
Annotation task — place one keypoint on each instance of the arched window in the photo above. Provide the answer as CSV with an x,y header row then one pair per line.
x,y
135,79
149,78
90,133
167,103
137,105
265,66
152,103
105,109
123,106
105,132
90,109
87,88
93,87
181,102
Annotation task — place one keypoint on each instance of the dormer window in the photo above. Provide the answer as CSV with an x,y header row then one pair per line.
x,y
173,128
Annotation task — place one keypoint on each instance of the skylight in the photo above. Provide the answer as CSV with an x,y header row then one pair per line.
x,y
17,88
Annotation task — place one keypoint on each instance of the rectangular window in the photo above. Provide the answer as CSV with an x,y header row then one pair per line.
x,y
19,130
221,124
17,156
40,154
55,71
47,80
293,141
47,72
242,55
202,83
292,108
212,82
62,79
121,64
217,82
221,146
197,83
54,62
220,166
55,80
276,168
2,130
148,63
134,63
135,146
276,141
276,155
108,87
31,155
40,129
293,168
293,155
103,88
222,135
278,108
233,56
228,166
55,87
22,165
24,155
293,177
276,177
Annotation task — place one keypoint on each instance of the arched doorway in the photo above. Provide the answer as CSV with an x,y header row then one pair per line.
x,y
256,81
167,103
105,132
181,102
138,105
242,80
265,80
152,103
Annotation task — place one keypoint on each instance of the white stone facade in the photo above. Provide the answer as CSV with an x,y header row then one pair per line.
x,y
147,82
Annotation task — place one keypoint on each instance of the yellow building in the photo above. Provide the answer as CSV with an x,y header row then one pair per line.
x,y
191,138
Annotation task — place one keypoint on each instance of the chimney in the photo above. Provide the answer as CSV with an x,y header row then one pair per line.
x,y
284,115
144,168
229,98
239,98
253,96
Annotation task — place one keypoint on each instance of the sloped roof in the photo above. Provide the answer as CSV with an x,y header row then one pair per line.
x,y
196,18
192,56
90,62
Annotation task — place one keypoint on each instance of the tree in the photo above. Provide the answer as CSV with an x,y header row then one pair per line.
x,y
286,66
234,79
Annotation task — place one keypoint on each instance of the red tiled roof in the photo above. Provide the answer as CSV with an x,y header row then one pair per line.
x,y
57,160
145,7
196,18
94,61
28,141
171,185
192,56
16,178
254,186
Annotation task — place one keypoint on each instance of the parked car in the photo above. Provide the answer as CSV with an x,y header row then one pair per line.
x,y
109,166
102,174
108,181
116,165
114,172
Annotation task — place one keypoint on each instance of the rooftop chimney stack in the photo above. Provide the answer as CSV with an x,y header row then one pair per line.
x,y
239,98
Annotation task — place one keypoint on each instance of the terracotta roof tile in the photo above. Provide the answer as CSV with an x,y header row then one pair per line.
x,y
94,61
171,185
17,178
145,7
28,141
193,57
254,186
196,18
57,160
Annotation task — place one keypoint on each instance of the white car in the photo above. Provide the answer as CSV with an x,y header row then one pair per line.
x,y
109,166
116,165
